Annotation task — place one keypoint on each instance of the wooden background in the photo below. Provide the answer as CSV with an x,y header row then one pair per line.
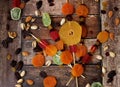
x,y
95,22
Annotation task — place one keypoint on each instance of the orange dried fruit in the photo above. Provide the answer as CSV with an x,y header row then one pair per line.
x,y
50,50
59,45
66,57
38,60
112,36
82,10
103,36
22,5
67,9
50,81
77,70
28,19
84,31
81,51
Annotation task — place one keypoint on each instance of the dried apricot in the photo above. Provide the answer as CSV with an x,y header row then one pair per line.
x,y
38,60
77,70
103,36
66,57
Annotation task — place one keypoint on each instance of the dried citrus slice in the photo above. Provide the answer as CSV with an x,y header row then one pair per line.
x,y
103,36
82,10
77,70
46,19
70,33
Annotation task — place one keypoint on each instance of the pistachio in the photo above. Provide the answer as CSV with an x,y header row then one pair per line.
x,y
87,85
111,35
105,48
117,21
22,74
110,14
22,25
34,27
48,63
20,81
34,44
103,70
30,82
25,53
12,35
33,19
37,13
99,57
28,19
112,54
18,85
62,21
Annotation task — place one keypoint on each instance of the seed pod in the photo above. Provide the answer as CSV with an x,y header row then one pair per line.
x,y
110,14
34,27
19,65
22,74
62,21
117,21
30,82
43,74
112,54
18,50
17,75
20,81
48,63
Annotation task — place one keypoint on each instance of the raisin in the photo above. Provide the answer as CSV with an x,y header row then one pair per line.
x,y
50,1
109,80
116,8
51,4
17,75
69,17
111,74
13,63
5,43
103,11
107,54
19,65
43,74
18,50
39,4
9,40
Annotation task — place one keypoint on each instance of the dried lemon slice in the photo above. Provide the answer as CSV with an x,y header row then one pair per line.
x,y
70,33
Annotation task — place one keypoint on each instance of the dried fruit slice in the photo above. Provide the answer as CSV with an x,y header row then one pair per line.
x,y
50,50
77,70
38,60
103,36
66,57
67,9
50,81
82,10
46,19
70,33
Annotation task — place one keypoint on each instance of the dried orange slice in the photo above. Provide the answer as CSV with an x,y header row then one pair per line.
x,y
77,70
70,33
103,36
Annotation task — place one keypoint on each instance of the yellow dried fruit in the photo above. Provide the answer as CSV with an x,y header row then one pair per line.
x,y
112,36
110,14
30,82
28,19
117,21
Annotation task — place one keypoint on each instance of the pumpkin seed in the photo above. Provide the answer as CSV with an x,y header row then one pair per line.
x,y
20,81
62,21
22,74
34,27
112,54
87,85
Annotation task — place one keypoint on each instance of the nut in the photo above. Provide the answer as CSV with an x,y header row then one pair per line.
x,y
22,25
34,27
30,82
62,21
28,19
117,21
48,63
27,27
22,74
12,35
18,85
25,53
20,81
37,13
112,54
33,19
104,70
110,14
34,44
87,85
99,57
105,48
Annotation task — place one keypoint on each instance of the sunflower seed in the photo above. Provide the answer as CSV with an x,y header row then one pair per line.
x,y
19,65
62,21
48,63
22,74
20,81
105,48
18,50
87,85
112,54
34,27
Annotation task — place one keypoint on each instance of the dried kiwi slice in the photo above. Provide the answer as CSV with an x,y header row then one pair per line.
x,y
46,19
96,84
15,13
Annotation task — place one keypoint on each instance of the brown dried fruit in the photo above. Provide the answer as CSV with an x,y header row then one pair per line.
x,y
25,53
112,36
117,21
12,35
28,19
30,82
110,14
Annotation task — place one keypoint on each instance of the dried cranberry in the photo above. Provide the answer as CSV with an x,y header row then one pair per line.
x,y
13,63
39,4
43,74
18,50
69,17
107,54
111,74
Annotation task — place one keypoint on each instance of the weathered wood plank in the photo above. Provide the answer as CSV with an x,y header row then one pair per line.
x,y
56,9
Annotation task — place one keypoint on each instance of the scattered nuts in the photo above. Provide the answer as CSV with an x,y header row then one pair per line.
x,y
22,25
25,53
103,70
30,82
34,27
34,44
9,56
117,21
99,57
20,81
112,54
105,48
12,35
37,13
48,63
111,35
33,19
18,85
110,14
62,21
28,19
22,74
88,85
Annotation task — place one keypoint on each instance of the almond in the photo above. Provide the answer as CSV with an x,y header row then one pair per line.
x,y
34,27
62,21
110,14
117,21
30,82
112,54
